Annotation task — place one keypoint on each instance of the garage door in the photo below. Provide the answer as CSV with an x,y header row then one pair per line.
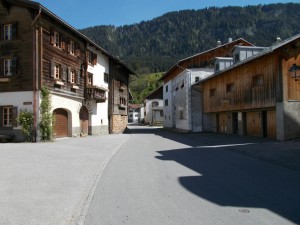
x,y
61,123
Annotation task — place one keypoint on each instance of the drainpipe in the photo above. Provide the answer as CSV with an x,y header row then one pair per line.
x,y
35,78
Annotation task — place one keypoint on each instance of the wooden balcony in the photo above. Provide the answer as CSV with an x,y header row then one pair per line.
x,y
95,93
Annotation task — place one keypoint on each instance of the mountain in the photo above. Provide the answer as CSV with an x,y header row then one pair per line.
x,y
155,45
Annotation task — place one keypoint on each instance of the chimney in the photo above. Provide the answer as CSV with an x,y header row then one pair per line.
x,y
219,43
229,39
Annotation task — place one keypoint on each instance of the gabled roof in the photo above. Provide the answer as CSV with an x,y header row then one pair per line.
x,y
258,55
42,9
156,94
182,61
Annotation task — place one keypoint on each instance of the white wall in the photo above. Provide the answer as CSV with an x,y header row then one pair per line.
x,y
168,110
151,114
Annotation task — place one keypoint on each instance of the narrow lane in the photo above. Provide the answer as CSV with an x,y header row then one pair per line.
x,y
163,178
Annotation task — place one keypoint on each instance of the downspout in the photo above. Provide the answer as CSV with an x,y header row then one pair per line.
x,y
35,78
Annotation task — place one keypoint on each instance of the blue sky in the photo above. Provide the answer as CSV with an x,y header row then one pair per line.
x,y
87,13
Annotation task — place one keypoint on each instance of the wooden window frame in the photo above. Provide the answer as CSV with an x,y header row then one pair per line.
x,y
90,79
258,80
7,122
72,47
57,72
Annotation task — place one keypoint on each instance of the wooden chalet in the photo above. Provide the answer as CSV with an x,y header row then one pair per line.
x,y
38,49
256,96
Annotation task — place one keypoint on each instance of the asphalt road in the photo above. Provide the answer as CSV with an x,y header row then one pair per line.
x,y
158,177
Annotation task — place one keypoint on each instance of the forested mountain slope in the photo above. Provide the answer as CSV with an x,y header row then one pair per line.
x,y
155,45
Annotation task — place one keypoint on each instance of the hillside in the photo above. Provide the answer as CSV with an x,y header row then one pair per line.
x,y
154,46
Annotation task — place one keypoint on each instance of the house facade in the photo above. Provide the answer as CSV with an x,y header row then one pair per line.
x,y
182,108
256,96
154,106
38,50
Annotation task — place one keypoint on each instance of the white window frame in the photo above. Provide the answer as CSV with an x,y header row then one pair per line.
x,y
7,116
7,32
72,48
7,67
73,75
57,71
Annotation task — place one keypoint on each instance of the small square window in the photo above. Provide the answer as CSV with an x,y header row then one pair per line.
x,y
212,92
258,80
229,87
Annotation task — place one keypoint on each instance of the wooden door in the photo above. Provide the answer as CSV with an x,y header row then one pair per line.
x,y
254,124
61,123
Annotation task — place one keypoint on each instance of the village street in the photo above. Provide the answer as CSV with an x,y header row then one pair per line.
x,y
159,177
150,176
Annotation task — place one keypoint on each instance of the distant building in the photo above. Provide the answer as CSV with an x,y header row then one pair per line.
x,y
154,107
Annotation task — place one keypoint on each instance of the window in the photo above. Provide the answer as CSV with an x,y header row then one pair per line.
x,y
90,79
57,40
89,57
181,117
57,71
72,48
212,92
154,104
236,57
122,101
72,76
258,80
7,116
167,88
182,84
229,87
217,67
7,67
197,79
105,77
7,32
166,102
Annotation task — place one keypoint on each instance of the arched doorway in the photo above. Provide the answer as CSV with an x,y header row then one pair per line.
x,y
61,123
84,120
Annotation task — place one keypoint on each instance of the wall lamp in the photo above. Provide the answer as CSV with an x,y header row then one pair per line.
x,y
294,71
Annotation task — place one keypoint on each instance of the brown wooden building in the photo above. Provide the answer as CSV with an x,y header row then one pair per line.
x,y
38,49
256,96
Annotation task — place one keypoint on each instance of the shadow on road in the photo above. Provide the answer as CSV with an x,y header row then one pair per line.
x,y
229,179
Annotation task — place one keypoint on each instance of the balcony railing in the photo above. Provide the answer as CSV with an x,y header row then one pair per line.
x,y
95,93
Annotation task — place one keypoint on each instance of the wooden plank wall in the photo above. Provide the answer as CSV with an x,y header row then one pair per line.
x,y
244,95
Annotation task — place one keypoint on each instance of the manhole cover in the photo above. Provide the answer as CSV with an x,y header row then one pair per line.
x,y
244,210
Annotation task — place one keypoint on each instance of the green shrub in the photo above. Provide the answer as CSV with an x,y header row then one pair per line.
x,y
25,119
46,123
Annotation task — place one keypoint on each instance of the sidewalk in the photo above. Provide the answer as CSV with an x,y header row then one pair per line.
x,y
52,183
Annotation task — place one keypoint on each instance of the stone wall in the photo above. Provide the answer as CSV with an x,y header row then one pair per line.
x,y
119,124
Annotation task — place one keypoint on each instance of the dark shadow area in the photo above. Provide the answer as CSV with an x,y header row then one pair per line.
x,y
229,179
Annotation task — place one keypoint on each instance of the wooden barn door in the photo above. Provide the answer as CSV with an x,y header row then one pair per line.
x,y
84,120
254,124
61,123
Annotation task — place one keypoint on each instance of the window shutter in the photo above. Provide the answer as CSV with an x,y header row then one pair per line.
x,y
14,116
51,36
68,45
94,59
14,66
1,67
1,116
69,75
14,30
64,73
78,77
52,64
1,31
